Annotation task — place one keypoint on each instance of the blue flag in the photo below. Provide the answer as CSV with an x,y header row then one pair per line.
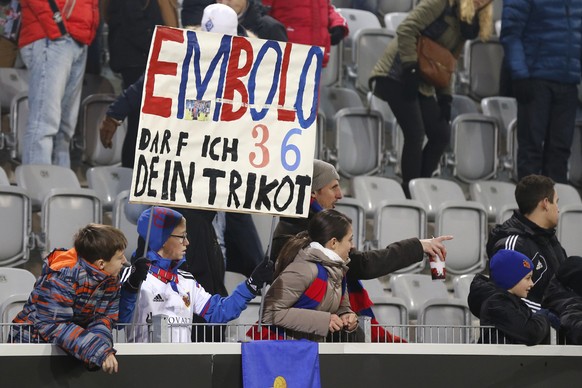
x,y
280,364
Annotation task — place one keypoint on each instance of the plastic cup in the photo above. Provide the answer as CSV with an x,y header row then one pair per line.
x,y
437,268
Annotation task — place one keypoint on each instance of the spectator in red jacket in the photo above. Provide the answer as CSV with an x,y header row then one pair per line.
x,y
314,22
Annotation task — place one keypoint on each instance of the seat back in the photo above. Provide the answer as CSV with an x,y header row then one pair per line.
x,y
15,281
232,280
357,19
353,208
16,225
359,141
396,220
432,192
444,321
462,104
474,155
567,194
331,75
371,190
18,119
366,52
4,181
39,179
497,197
567,230
415,290
462,286
575,161
393,19
332,100
391,313
482,66
392,143
108,181
125,216
387,6
467,222
12,82
265,224
375,289
93,111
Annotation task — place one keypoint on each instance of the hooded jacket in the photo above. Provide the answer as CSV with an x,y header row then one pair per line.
x,y
539,244
73,305
564,298
292,283
513,321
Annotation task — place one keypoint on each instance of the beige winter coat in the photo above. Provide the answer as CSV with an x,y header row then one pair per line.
x,y
292,283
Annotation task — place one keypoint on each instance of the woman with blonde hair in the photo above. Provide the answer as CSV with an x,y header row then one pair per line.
x,y
420,107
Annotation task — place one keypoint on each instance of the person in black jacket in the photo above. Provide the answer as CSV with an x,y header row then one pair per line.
x,y
371,264
532,231
497,302
564,298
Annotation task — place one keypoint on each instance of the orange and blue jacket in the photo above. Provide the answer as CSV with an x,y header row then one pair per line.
x,y
73,305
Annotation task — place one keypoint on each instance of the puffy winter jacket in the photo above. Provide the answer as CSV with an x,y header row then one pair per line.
x,y
80,17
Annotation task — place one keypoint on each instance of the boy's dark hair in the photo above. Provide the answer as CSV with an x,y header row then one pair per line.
x,y
96,241
531,190
326,225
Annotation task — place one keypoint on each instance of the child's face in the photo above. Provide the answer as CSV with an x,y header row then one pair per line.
x,y
522,288
175,246
113,266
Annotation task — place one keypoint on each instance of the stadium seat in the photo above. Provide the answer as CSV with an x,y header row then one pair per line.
x,y
125,216
387,6
497,197
575,161
18,120
357,19
353,208
453,215
444,320
332,74
16,285
232,280
415,290
474,148
567,231
65,207
368,47
16,238
393,19
108,181
482,68
391,312
504,109
461,286
375,288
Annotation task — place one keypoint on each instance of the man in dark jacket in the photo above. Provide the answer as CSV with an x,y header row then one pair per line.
x,y
371,264
532,231
542,40
564,298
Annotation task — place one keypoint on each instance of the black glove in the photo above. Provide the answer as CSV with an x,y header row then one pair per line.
x,y
336,34
445,101
263,273
411,80
522,90
139,273
553,318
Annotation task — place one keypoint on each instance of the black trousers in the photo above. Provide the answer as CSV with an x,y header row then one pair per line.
x,y
545,128
418,118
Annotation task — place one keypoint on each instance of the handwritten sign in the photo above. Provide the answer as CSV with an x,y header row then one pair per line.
x,y
227,123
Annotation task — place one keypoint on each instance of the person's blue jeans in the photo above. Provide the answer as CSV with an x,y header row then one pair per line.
x,y
545,128
56,69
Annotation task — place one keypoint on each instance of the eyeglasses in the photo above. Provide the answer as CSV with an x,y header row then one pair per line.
x,y
182,237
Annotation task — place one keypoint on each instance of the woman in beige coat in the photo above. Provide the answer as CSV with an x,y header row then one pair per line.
x,y
308,297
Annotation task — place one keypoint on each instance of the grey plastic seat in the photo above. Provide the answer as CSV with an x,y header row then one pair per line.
x,y
18,119
354,209
368,47
108,181
497,197
393,19
359,141
332,74
265,224
391,313
371,190
387,6
504,109
93,110
444,320
12,82
482,68
125,216
375,288
16,285
567,231
415,290
393,139
462,286
474,140
453,215
357,19
575,161
462,104
16,224
65,207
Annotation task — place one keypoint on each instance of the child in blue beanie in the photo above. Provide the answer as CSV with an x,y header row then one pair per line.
x,y
497,301
154,286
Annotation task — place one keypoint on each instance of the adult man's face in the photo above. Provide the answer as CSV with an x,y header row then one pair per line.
x,y
329,194
552,211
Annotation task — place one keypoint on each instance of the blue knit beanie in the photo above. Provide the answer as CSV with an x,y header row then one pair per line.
x,y
508,267
163,224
